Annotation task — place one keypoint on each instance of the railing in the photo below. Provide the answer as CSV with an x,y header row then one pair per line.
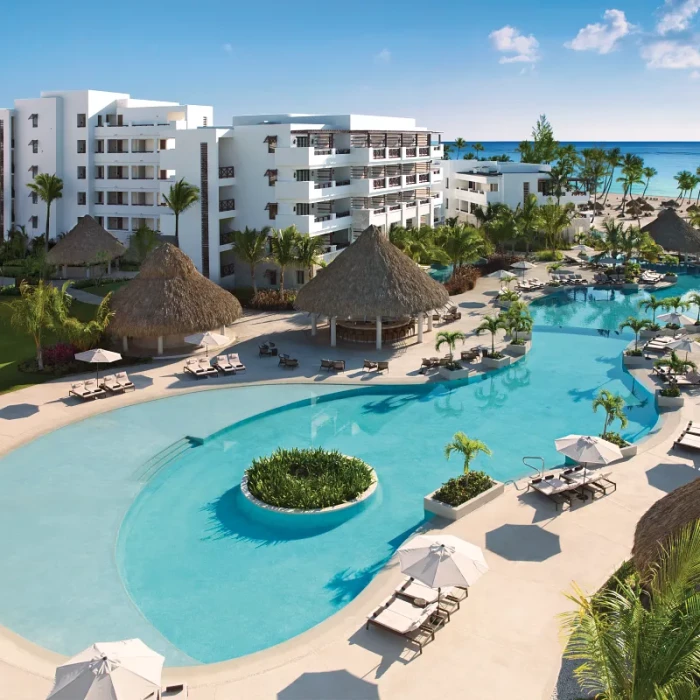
x,y
379,183
144,203
342,214
425,201
394,182
394,207
394,153
410,153
319,219
381,210
137,177
225,237
227,204
226,171
323,185
424,151
410,179
142,150
227,270
423,177
342,151
118,177
323,151
342,183
114,149
379,153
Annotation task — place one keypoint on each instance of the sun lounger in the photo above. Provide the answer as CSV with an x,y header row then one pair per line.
x,y
86,390
327,365
267,350
197,370
236,362
110,384
369,365
288,362
421,594
338,365
409,621
175,692
691,442
592,481
383,366
557,490
223,365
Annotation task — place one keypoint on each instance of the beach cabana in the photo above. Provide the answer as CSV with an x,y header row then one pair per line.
x,y
663,520
87,243
371,290
168,300
674,234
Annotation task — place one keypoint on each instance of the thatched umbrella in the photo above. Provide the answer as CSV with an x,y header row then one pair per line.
x,y
670,204
663,520
169,297
86,243
372,278
673,233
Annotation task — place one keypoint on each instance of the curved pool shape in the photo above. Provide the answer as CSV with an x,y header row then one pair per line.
x,y
117,527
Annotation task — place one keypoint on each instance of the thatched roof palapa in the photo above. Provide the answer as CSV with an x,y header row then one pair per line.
x,y
673,234
86,243
370,278
664,520
170,297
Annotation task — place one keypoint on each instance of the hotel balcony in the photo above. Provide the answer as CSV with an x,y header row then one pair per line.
x,y
227,207
312,190
398,213
299,157
375,185
315,225
227,172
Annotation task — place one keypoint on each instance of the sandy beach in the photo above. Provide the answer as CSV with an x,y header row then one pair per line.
x,y
612,209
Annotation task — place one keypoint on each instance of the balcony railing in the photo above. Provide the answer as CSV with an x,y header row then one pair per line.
x,y
379,153
323,185
394,182
394,153
379,183
227,270
323,151
319,219
342,151
142,150
394,207
342,214
424,151
410,179
140,177
227,204
226,237
226,171
410,153
424,177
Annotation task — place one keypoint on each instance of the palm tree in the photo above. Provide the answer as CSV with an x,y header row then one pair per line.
x,y
502,228
478,148
613,159
181,197
675,364
614,233
39,308
697,173
48,188
648,174
460,143
614,407
86,335
491,324
518,319
632,167
527,220
554,220
251,249
638,638
462,244
693,299
467,447
652,304
308,250
143,241
450,339
675,304
693,182
284,247
683,178
446,151
637,325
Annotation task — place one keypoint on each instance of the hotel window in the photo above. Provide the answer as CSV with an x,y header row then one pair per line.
x,y
82,120
99,146
526,190
82,145
303,209
300,277
82,172
99,197
163,144
447,203
448,183
35,221
100,220
271,176
35,146
204,121
34,169
271,209
99,120
494,187
35,120
99,172
35,197
271,142
82,198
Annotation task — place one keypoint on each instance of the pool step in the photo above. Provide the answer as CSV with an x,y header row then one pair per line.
x,y
165,457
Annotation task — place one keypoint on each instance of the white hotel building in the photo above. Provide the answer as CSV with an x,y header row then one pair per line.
x,y
329,175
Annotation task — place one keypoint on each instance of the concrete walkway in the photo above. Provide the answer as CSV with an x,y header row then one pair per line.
x,y
505,640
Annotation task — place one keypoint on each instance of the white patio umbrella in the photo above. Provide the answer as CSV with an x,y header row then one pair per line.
x,y
587,449
675,319
608,261
504,275
684,345
581,248
98,355
442,560
207,339
522,265
127,670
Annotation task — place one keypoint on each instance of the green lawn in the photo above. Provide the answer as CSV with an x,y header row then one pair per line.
x,y
16,347
103,289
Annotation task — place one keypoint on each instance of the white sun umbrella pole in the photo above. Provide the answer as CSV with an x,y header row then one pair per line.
x,y
440,561
127,670
587,449
208,339
96,356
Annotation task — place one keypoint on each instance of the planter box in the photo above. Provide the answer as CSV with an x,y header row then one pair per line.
x,y
629,451
492,363
455,513
630,287
519,350
669,401
671,278
646,333
634,360
549,288
528,336
455,373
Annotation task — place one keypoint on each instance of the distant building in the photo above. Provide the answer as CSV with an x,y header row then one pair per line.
x,y
470,184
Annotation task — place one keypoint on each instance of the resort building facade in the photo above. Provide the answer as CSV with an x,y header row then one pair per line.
x,y
471,184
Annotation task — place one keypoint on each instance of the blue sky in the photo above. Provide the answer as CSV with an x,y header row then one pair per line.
x,y
613,70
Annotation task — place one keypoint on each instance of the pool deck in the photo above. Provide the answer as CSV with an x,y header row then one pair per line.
x,y
504,642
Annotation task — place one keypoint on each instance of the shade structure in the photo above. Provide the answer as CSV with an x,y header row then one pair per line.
x,y
675,319
127,670
522,265
208,339
673,233
442,560
588,449
672,203
86,243
581,248
663,520
607,260
170,297
502,275
685,345
97,356
371,278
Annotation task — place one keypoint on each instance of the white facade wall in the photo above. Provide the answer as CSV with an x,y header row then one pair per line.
x,y
6,175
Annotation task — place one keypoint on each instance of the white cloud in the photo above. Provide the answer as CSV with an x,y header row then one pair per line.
x,y
677,16
672,55
384,56
509,40
228,48
602,37
695,75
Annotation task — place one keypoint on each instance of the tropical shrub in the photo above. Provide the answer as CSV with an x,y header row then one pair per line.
x,y
549,256
243,294
498,261
463,488
273,300
58,355
463,280
615,438
10,290
307,479
672,391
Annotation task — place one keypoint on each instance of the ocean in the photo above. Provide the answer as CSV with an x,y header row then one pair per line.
x,y
667,157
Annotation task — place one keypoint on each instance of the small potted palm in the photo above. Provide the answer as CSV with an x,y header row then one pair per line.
x,y
552,284
507,298
452,369
670,396
651,304
634,357
694,300
493,324
670,260
614,407
464,494
519,323
631,272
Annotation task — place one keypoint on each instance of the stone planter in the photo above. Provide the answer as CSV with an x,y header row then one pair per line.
x,y
528,336
519,350
633,361
455,513
493,363
630,287
628,451
548,288
646,333
671,278
669,401
455,373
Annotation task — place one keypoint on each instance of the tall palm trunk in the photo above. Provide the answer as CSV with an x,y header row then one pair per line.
x,y
609,186
177,230
282,280
252,278
48,219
